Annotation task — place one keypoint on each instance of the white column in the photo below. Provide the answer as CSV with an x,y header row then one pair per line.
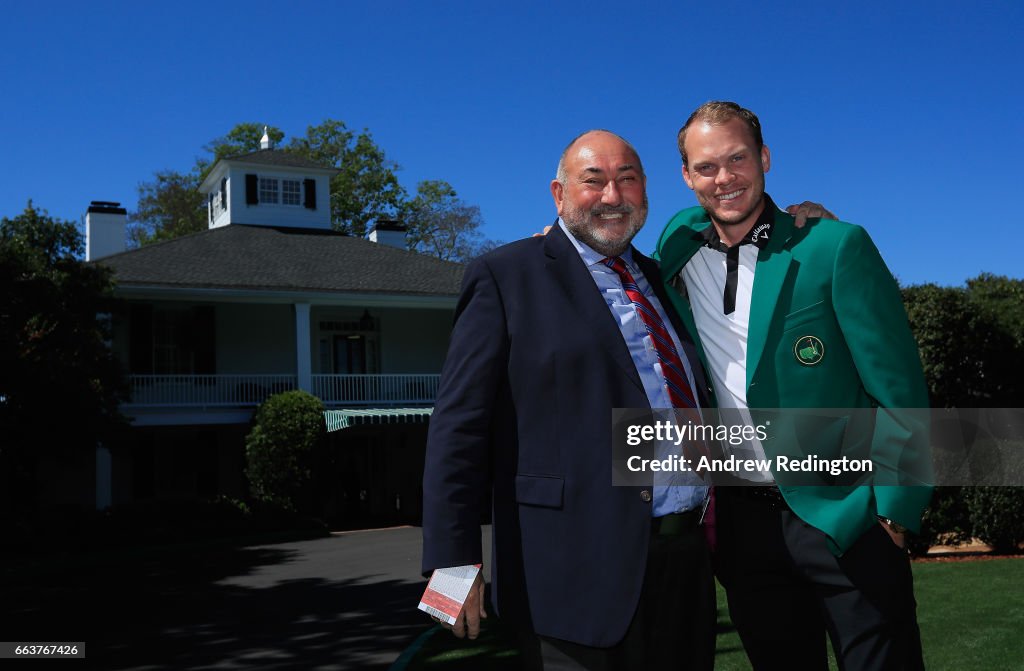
x,y
304,360
104,478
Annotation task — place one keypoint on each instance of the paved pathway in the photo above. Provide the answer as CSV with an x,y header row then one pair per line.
x,y
343,602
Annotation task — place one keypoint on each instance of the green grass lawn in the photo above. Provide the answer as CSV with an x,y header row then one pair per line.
x,y
971,616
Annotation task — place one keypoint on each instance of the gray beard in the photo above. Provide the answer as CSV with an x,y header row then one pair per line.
x,y
578,223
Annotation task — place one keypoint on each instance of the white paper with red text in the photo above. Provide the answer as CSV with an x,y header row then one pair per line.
x,y
447,591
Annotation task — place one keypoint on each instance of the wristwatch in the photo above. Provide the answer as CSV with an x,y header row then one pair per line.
x,y
893,524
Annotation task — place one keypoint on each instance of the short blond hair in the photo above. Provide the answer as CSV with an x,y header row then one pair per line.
x,y
716,113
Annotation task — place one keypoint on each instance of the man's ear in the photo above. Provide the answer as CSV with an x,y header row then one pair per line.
x,y
686,177
558,193
766,158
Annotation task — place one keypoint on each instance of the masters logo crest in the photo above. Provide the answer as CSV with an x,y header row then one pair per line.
x,y
809,350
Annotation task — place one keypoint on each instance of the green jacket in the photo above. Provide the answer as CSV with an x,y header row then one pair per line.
x,y
827,280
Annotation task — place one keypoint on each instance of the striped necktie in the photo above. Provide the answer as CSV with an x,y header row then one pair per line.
x,y
678,387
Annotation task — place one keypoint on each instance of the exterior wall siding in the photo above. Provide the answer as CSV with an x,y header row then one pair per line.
x,y
253,338
414,341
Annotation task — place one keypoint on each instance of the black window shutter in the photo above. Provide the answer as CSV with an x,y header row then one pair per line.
x,y
224,193
252,190
310,185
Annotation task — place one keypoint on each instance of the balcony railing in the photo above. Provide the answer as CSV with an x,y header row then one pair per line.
x,y
356,390
206,390
192,391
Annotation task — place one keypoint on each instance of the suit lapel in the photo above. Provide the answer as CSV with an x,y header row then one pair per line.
x,y
679,248
566,266
773,267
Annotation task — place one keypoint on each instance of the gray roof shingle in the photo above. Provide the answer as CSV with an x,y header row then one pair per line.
x,y
284,259
279,157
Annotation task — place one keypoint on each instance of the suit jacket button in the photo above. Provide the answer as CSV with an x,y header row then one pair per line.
x,y
645,495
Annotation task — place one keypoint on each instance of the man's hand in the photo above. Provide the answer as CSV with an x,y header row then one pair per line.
x,y
467,622
808,209
547,229
898,537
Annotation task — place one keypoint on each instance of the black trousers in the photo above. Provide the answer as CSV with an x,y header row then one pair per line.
x,y
786,590
674,624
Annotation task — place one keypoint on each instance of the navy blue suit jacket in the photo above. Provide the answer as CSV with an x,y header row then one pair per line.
x,y
523,414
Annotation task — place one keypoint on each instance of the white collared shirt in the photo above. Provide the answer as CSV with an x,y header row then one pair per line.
x,y
724,336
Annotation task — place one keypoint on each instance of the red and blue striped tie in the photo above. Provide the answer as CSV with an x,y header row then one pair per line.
x,y
679,390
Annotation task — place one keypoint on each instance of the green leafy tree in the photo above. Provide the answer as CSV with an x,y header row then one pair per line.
x,y
169,207
60,385
999,304
442,225
1004,297
997,513
365,187
279,448
970,340
962,347
242,139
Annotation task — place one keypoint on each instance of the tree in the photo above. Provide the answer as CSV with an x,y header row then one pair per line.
x,y
442,225
60,385
999,301
1003,296
365,187
169,207
962,347
242,139
970,341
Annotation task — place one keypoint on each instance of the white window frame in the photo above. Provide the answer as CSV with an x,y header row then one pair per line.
x,y
269,190
286,193
219,200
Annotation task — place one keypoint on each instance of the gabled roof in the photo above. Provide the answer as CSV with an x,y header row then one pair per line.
x,y
278,157
263,258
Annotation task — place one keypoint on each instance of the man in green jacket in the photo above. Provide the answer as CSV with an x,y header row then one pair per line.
x,y
791,318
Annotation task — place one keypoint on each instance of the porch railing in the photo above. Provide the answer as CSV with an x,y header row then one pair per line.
x,y
206,390
169,391
376,389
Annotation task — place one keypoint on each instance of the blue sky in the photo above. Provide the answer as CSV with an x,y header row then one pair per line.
x,y
908,120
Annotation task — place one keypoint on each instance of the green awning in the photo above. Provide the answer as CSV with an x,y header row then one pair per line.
x,y
344,418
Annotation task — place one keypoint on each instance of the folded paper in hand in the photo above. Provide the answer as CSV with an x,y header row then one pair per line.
x,y
447,591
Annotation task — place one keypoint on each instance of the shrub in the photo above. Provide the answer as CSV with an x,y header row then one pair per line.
x,y
945,522
997,516
278,449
